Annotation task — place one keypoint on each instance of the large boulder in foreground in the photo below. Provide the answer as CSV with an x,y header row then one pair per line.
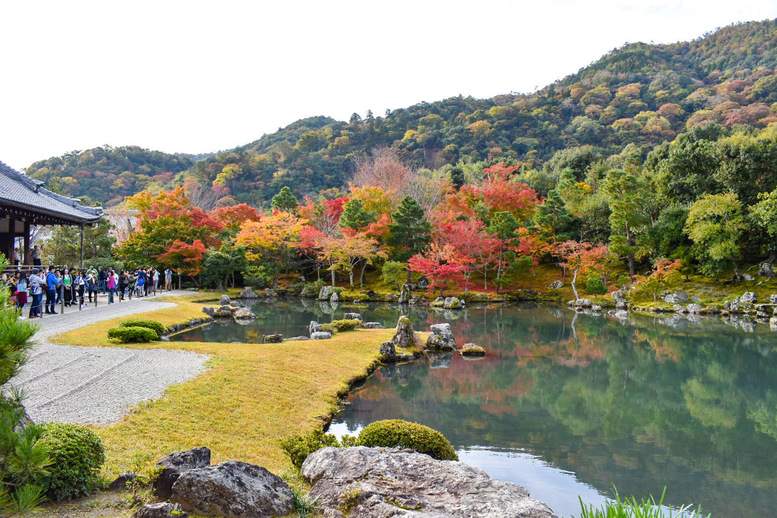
x,y
233,489
389,482
175,464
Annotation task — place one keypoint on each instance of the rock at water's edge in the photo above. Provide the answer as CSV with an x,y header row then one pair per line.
x,y
402,483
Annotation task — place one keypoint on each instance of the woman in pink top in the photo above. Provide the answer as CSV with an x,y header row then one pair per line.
x,y
111,283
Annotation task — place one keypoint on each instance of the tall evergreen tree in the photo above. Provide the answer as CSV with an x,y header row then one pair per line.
x,y
285,201
354,215
553,220
411,232
627,195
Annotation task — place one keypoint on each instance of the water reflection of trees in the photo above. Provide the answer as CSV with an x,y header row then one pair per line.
x,y
643,404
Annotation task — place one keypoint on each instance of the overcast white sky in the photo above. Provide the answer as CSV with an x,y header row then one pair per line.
x,y
189,76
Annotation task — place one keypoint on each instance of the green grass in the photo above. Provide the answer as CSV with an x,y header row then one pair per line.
x,y
252,395
629,507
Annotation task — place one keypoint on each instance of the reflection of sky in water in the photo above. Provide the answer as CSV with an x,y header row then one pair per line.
x,y
557,488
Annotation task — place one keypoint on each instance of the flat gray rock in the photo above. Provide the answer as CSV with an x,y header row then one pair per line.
x,y
388,482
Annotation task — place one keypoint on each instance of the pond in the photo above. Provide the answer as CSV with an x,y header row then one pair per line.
x,y
568,404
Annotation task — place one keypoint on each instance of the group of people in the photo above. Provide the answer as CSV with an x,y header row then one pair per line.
x,y
71,287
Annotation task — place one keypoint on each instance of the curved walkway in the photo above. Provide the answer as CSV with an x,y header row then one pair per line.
x,y
98,385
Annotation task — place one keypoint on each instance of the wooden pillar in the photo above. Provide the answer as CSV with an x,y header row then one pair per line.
x,y
12,244
82,247
27,258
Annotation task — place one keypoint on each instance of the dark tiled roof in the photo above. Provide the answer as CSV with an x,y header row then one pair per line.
x,y
21,191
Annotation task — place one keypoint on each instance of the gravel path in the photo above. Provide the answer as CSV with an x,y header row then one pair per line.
x,y
98,385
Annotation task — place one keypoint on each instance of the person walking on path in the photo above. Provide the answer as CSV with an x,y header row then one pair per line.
x,y
111,284
102,277
91,284
80,287
21,290
168,279
155,277
67,284
35,289
52,283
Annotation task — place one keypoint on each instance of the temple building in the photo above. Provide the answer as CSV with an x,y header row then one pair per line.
x,y
24,204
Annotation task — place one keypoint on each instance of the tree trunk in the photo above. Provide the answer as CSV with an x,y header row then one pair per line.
x,y
333,278
361,280
409,280
350,277
574,288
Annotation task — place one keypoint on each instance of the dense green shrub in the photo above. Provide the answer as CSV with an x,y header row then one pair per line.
x,y
595,286
156,326
395,433
298,447
328,328
77,454
345,325
132,334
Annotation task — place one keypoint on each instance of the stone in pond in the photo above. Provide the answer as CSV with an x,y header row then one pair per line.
x,y
248,293
225,300
243,314
352,316
472,350
441,338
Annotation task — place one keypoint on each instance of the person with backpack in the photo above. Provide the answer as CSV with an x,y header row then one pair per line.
x,y
52,283
80,287
91,284
35,289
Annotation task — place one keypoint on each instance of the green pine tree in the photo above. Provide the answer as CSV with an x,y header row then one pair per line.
x,y
285,201
411,232
354,216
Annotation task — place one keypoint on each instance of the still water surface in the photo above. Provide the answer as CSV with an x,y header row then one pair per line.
x,y
567,404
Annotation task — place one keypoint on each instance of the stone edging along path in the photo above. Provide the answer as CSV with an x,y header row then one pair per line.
x,y
98,385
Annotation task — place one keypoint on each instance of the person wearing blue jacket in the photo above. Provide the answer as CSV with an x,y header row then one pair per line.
x,y
51,292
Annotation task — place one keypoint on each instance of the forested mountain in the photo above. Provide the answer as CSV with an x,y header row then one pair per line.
x,y
627,103
109,174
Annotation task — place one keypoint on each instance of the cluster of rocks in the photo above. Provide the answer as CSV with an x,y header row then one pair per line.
x,y
448,303
440,340
193,485
356,481
318,331
228,310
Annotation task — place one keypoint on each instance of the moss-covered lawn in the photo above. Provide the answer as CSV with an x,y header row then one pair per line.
x,y
251,396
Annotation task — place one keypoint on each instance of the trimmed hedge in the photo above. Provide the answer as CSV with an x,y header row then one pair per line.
x,y
77,455
395,433
132,334
158,327
345,325
298,447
